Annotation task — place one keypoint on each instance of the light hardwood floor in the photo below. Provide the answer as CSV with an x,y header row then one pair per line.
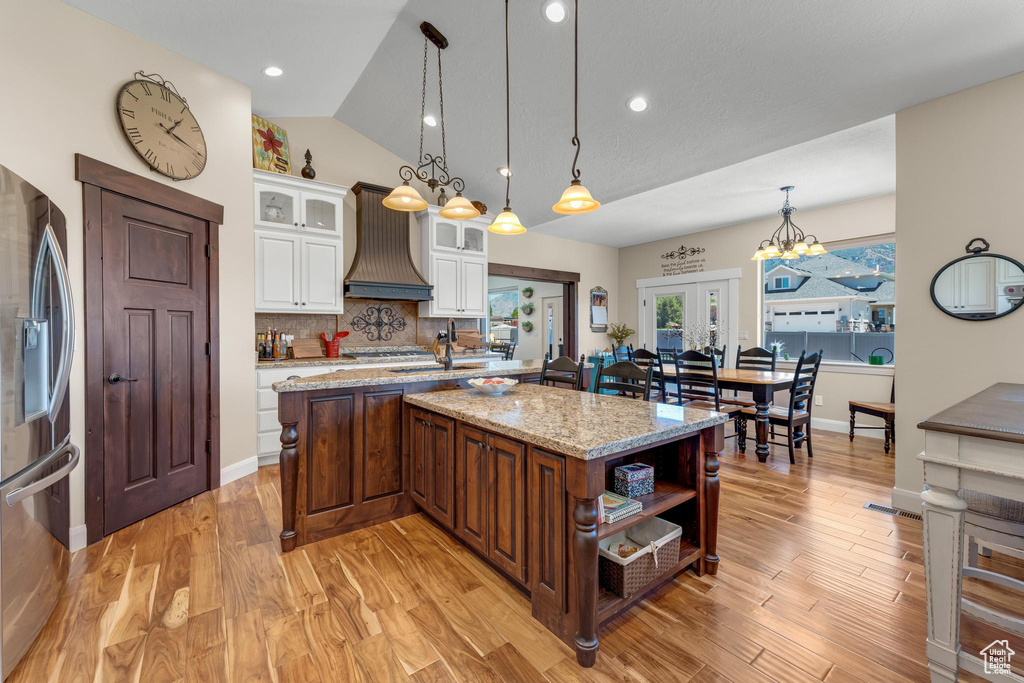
x,y
812,587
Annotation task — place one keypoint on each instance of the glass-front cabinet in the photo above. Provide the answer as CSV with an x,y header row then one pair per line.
x,y
321,213
453,256
285,205
276,207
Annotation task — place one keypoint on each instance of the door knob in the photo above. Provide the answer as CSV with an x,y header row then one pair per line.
x,y
115,378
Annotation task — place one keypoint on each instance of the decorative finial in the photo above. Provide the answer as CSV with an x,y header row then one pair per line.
x,y
307,171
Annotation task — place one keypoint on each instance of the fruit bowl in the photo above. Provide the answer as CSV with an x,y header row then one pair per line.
x,y
492,386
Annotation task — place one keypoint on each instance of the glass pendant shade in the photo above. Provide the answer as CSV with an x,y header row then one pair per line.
x,y
459,208
771,251
816,249
801,248
576,199
507,223
758,255
405,198
789,256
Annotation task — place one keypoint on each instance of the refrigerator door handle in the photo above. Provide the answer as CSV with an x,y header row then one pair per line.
x,y
35,487
51,247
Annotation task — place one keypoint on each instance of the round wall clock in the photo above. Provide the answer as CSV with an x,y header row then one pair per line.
x,y
160,127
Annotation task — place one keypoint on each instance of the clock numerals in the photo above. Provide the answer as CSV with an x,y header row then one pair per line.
x,y
146,89
150,157
134,134
198,166
129,92
165,94
195,129
130,113
170,169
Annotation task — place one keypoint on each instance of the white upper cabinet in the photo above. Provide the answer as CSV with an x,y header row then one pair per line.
x,y
453,254
299,246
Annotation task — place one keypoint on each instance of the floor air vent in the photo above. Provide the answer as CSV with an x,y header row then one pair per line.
x,y
891,511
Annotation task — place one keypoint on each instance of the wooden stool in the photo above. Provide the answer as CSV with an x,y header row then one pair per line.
x,y
886,411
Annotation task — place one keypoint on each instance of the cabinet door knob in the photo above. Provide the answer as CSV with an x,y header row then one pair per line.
x,y
296,303
296,225
303,303
303,225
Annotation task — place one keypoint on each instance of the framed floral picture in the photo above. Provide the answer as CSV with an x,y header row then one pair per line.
x,y
270,147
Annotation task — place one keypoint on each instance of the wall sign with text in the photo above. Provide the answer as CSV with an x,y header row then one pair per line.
x,y
683,260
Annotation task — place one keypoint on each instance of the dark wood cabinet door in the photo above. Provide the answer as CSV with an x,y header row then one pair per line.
x,y
420,444
441,498
156,419
382,444
506,529
547,515
332,448
471,487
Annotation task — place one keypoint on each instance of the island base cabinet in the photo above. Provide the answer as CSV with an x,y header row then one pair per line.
x,y
507,521
431,456
471,488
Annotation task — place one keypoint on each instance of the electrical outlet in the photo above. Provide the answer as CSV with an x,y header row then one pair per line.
x,y
744,336
818,400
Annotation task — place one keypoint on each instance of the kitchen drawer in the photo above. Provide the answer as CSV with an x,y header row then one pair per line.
x,y
265,378
266,421
266,399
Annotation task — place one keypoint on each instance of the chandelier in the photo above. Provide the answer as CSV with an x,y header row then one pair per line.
x,y
788,241
576,198
405,197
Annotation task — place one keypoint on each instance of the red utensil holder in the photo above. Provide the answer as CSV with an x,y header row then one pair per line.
x,y
333,348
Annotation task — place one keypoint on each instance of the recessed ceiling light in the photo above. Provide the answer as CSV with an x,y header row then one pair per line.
x,y
554,11
504,172
273,71
638,104
429,120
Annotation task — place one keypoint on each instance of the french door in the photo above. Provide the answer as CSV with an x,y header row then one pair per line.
x,y
684,315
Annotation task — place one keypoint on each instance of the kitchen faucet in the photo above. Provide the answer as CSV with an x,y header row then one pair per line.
x,y
450,336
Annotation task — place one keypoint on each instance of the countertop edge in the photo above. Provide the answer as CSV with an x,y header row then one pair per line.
x,y
438,375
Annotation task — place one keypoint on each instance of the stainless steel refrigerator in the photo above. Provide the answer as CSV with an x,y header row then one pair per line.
x,y
36,454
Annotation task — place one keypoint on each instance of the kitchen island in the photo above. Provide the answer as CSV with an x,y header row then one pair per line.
x,y
517,479
343,461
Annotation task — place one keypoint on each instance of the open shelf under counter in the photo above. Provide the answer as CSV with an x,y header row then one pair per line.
x,y
666,495
610,605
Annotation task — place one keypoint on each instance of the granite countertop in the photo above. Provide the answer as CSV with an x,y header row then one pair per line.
x,y
344,360
362,377
575,423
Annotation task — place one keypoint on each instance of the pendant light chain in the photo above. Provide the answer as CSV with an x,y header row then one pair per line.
x,y
440,92
576,91
423,99
508,118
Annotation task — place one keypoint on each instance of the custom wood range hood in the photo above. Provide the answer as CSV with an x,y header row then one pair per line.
x,y
383,267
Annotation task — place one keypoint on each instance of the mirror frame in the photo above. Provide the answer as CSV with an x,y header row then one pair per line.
x,y
593,291
974,252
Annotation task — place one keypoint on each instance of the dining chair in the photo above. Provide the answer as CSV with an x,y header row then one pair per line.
x,y
623,352
886,411
796,417
626,378
755,358
697,382
509,351
563,371
719,354
644,358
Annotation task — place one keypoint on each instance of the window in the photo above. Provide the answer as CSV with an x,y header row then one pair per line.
x,y
845,303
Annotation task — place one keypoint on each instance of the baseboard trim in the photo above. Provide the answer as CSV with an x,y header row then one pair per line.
x,y
78,538
264,460
238,470
844,428
902,499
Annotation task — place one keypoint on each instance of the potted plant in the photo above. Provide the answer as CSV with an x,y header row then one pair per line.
x,y
515,317
527,308
777,349
528,292
619,333
527,326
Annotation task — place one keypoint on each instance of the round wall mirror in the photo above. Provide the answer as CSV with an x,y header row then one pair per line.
x,y
979,286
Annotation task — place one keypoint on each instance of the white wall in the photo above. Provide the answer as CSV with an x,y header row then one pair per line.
x,y
958,175
62,69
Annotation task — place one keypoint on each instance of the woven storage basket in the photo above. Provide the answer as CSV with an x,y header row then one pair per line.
x,y
658,543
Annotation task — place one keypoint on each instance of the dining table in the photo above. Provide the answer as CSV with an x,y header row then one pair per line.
x,y
762,385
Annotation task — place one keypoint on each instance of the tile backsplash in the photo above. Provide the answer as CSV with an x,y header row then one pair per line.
x,y
411,331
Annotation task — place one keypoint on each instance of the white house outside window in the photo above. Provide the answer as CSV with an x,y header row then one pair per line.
x,y
843,302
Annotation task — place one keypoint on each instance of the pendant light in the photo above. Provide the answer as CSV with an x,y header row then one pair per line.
x,y
405,197
788,242
506,222
576,198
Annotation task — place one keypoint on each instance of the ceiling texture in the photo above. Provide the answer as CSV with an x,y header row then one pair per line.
x,y
745,96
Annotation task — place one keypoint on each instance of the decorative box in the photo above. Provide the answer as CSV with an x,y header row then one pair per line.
x,y
634,480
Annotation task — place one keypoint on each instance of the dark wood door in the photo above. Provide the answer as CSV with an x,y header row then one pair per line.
x,y
155,333
506,509
547,519
441,498
471,487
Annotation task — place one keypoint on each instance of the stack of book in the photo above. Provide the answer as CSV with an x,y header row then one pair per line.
x,y
613,507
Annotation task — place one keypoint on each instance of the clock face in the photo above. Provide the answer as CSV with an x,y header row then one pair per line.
x,y
162,129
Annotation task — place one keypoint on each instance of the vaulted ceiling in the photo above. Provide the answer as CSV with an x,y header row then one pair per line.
x,y
736,89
